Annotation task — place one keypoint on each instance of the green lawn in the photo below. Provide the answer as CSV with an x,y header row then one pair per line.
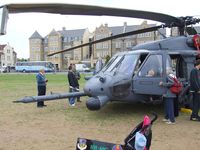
x,y
16,86
56,127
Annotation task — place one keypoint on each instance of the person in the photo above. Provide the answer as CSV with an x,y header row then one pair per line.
x,y
195,88
41,86
77,75
169,98
73,84
176,106
151,73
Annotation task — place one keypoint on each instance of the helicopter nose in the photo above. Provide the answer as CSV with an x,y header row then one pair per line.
x,y
95,86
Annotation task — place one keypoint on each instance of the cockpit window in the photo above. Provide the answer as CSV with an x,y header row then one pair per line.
x,y
127,65
122,64
111,64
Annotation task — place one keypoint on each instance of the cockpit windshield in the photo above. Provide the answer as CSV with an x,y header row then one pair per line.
x,y
122,64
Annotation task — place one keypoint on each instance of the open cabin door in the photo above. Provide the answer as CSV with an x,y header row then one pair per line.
x,y
150,73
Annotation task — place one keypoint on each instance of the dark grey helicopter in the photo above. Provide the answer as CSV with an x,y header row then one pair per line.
x,y
131,76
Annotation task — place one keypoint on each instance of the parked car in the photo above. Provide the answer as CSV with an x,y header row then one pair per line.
x,y
82,68
3,69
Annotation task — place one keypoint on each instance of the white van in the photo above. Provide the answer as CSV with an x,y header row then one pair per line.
x,y
82,68
3,69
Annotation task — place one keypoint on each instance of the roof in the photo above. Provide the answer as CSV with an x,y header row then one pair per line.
x,y
35,35
54,32
2,47
122,29
72,33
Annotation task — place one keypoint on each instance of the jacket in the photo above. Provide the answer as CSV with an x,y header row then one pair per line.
x,y
195,80
169,82
72,79
41,80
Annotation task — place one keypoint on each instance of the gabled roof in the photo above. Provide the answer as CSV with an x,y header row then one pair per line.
x,y
54,32
2,47
35,35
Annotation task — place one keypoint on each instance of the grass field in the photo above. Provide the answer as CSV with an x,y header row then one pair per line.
x,y
56,127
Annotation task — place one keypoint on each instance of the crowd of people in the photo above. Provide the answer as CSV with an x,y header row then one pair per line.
x,y
170,99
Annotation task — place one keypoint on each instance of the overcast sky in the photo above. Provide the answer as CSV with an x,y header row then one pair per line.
x,y
21,26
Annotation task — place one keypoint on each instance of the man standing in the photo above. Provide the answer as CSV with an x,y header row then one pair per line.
x,y
77,75
41,86
73,84
195,88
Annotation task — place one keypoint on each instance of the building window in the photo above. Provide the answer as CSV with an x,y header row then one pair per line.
x,y
66,39
8,58
118,44
105,45
8,51
99,46
128,44
45,40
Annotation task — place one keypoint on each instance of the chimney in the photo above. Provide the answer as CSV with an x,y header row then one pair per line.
x,y
124,29
63,28
125,24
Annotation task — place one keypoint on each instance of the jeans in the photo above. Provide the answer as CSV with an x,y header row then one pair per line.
x,y
169,109
72,99
41,91
196,104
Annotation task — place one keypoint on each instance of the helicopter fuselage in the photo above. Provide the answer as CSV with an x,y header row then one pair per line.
x,y
125,77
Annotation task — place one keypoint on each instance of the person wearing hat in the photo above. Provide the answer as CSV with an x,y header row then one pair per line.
x,y
41,86
195,89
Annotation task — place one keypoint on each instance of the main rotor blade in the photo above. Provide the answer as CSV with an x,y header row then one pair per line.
x,y
110,38
75,9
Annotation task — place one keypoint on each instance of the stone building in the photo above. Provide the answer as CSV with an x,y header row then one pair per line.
x,y
56,41
60,40
122,44
175,32
8,56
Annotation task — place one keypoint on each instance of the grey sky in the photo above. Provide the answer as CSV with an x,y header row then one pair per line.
x,y
21,26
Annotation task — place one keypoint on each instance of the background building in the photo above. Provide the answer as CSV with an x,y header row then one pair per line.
x,y
122,44
8,56
175,32
59,40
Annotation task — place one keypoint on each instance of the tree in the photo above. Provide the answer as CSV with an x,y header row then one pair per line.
x,y
107,59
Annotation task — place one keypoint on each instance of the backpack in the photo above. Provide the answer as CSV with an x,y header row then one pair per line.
x,y
177,87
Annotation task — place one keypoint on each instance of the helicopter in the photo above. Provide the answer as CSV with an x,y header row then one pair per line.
x,y
126,77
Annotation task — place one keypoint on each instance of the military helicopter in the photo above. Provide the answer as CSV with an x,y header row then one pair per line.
x,y
126,76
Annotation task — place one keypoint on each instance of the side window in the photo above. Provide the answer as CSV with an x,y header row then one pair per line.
x,y
140,62
153,67
169,68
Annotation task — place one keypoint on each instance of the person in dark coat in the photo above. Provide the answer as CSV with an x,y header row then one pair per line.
x,y
195,89
73,84
41,86
77,75
169,98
